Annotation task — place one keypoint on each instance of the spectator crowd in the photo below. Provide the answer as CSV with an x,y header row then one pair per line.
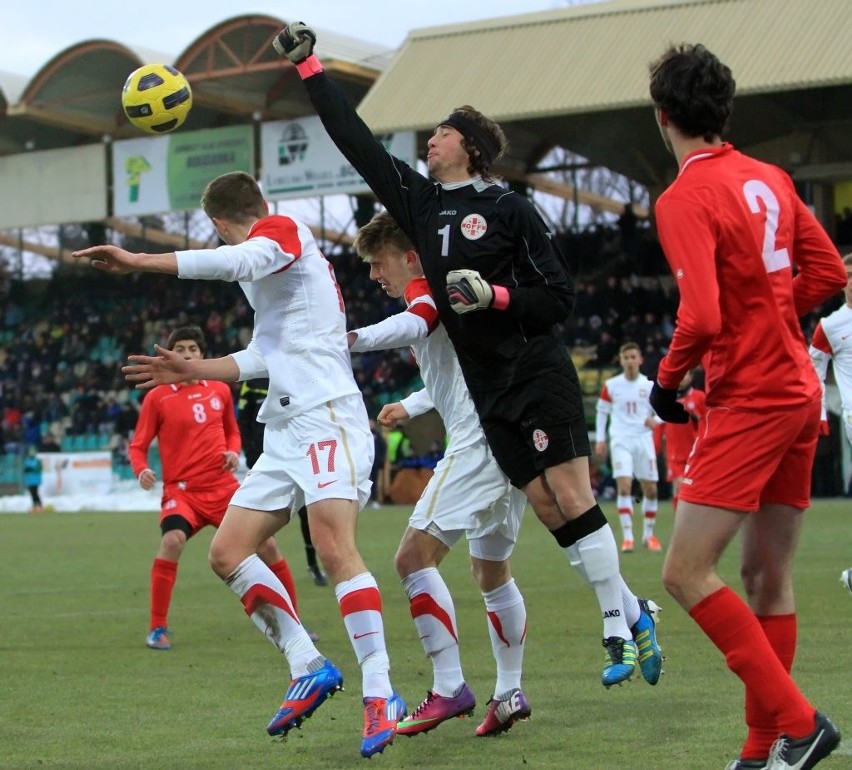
x,y
63,341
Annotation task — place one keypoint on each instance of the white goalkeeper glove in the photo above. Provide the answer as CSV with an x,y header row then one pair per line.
x,y
296,41
467,291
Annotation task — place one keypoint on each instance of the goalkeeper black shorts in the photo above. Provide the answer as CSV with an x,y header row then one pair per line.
x,y
535,424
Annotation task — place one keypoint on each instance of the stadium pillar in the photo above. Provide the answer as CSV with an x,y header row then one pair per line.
x,y
365,208
96,233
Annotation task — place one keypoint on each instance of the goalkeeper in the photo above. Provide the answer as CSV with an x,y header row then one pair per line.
x,y
502,289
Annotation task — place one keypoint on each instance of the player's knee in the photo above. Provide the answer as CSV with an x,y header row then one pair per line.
x,y
171,544
336,556
269,552
411,557
403,562
750,577
674,578
766,587
546,510
223,558
490,575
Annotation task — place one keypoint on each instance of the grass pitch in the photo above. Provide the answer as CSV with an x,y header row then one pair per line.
x,y
80,689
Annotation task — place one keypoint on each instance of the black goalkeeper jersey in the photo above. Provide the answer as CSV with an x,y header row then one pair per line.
x,y
475,225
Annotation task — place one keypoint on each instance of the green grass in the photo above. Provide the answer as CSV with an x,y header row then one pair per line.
x,y
79,689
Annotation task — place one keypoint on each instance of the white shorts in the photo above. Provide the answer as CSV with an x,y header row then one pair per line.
x,y
634,457
323,453
469,494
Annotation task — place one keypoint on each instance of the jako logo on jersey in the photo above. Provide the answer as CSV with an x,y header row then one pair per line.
x,y
447,213
473,226
540,440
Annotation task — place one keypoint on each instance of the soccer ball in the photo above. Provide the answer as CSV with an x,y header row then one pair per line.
x,y
156,98
846,578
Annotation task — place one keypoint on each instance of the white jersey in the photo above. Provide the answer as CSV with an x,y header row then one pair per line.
x,y
299,338
832,342
439,366
627,406
468,492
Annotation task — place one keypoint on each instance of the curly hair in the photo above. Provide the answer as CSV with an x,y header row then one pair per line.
x,y
694,89
184,333
487,129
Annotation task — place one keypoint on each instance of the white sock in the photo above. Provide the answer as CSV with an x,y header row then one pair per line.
x,y
507,627
267,603
624,504
434,616
631,605
599,555
649,515
361,606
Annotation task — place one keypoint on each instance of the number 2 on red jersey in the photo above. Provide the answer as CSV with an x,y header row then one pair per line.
x,y
761,200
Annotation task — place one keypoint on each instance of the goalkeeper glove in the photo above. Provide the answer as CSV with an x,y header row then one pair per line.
x,y
664,402
296,41
467,291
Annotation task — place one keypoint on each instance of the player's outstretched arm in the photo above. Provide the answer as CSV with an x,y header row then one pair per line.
x,y
168,367
112,259
296,41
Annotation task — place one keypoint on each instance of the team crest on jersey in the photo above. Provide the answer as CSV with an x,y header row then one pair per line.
x,y
540,439
473,226
216,403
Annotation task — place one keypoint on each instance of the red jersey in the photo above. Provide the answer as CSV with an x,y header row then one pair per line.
x,y
680,437
195,424
732,228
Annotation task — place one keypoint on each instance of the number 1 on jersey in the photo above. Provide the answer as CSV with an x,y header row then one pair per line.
x,y
444,232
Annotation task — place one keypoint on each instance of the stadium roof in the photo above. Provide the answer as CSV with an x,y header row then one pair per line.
x,y
577,77
235,75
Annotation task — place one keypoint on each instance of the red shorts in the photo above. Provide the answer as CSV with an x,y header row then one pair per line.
x,y
742,460
675,468
200,509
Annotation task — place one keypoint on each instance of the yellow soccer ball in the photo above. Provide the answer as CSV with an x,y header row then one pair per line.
x,y
156,98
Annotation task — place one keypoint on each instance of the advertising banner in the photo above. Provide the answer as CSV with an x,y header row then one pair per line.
x,y
74,473
168,173
298,160
53,186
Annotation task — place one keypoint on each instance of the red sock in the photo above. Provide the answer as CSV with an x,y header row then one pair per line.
x,y
733,628
781,631
163,577
282,572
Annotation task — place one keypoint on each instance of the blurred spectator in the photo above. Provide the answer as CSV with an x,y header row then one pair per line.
x,y
32,477
49,443
62,344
